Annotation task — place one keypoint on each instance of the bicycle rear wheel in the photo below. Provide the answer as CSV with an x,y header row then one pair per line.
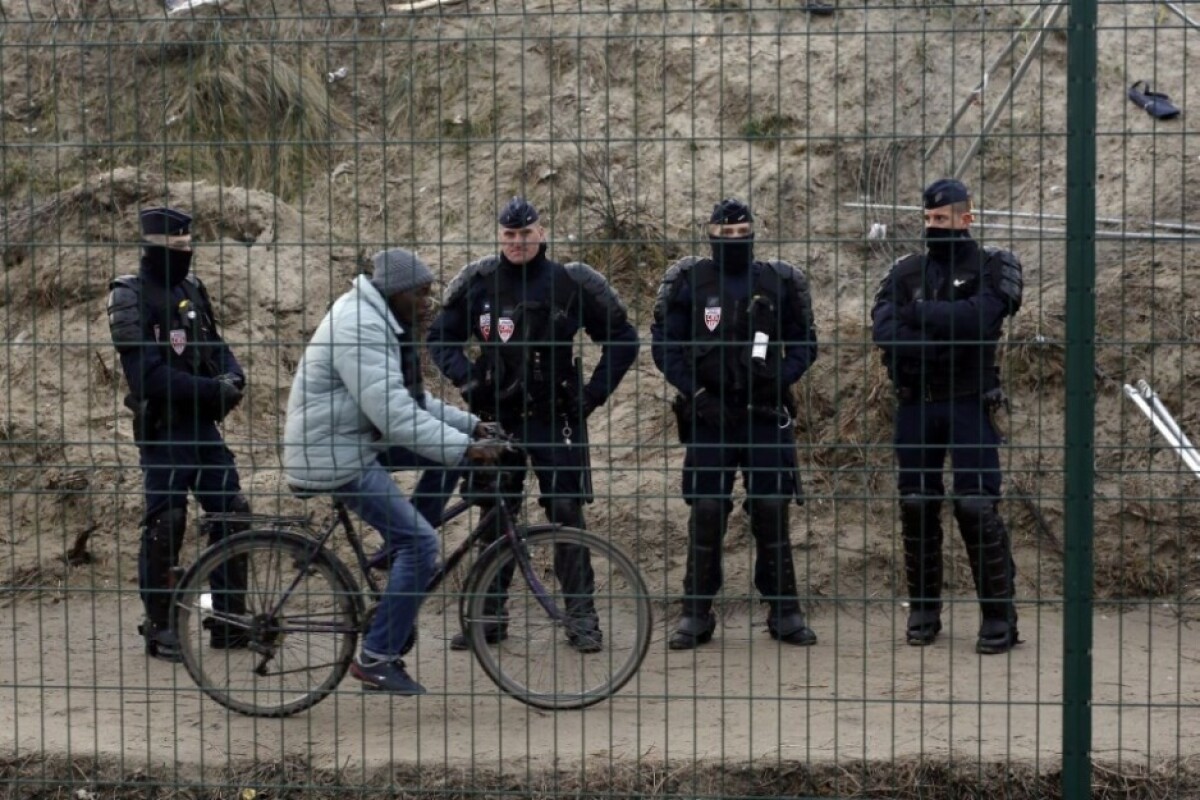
x,y
534,659
260,635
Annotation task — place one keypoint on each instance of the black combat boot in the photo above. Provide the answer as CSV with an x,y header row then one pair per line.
x,y
995,573
921,526
161,541
573,567
775,572
229,583
702,578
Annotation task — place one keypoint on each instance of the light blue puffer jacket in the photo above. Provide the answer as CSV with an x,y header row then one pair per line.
x,y
348,401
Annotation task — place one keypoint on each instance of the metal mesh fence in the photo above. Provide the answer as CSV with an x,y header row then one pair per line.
x,y
303,139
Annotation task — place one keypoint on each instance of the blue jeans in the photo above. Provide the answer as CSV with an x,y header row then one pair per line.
x,y
414,544
435,486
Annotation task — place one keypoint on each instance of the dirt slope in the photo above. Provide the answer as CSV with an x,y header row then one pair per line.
x,y
624,124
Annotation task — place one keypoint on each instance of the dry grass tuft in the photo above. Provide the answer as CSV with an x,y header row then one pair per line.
x,y
254,116
41,778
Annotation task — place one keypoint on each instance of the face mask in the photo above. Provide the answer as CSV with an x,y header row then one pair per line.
x,y
733,254
945,244
165,265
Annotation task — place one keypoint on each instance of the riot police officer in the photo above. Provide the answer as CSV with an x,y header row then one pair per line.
x,y
732,334
522,310
183,380
937,318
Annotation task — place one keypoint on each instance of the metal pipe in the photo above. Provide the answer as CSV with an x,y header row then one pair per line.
x,y
989,212
1188,458
1182,15
1059,233
1034,49
1157,404
982,85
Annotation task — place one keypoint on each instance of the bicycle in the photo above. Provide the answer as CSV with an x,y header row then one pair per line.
x,y
266,600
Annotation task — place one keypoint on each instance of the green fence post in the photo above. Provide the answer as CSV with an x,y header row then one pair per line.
x,y
1080,387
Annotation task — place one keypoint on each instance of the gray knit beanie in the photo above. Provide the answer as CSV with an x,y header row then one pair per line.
x,y
398,270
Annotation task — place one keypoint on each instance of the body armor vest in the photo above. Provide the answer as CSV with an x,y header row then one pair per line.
x,y
184,331
724,324
973,369
520,339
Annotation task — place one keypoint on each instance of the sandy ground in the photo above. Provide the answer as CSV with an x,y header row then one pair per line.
x,y
861,693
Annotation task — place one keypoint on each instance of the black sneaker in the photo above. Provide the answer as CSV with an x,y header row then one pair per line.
x,y
818,8
385,676
493,633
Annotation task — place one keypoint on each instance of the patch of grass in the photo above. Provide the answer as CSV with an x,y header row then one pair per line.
x,y
769,129
253,116
419,86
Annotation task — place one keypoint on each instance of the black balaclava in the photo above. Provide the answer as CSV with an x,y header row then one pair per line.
x,y
732,254
947,245
168,267
160,263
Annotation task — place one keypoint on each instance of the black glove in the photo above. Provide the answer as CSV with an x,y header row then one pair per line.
x,y
229,394
708,408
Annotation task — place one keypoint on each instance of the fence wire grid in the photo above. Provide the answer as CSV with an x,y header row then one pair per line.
x,y
303,139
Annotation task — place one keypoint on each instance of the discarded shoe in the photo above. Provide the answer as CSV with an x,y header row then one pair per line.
x,y
818,8
1156,104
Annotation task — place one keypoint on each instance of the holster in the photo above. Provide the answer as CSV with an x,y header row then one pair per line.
x,y
146,419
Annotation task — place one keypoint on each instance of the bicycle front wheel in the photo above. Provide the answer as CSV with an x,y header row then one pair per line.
x,y
267,627
589,648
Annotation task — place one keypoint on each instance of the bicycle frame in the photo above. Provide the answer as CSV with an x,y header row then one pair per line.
x,y
498,514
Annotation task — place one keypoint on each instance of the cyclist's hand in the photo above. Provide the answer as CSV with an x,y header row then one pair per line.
x,y
488,452
489,430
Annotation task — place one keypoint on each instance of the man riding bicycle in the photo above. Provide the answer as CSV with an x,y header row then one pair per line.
x,y
357,393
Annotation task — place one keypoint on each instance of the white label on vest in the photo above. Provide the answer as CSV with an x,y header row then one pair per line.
x,y
485,326
712,317
505,328
178,340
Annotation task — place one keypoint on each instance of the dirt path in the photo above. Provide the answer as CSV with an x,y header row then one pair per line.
x,y
860,694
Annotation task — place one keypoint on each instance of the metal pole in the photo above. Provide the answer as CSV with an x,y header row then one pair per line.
x,y
1079,437
982,85
1002,103
1187,456
989,212
1182,15
1121,235
1162,411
